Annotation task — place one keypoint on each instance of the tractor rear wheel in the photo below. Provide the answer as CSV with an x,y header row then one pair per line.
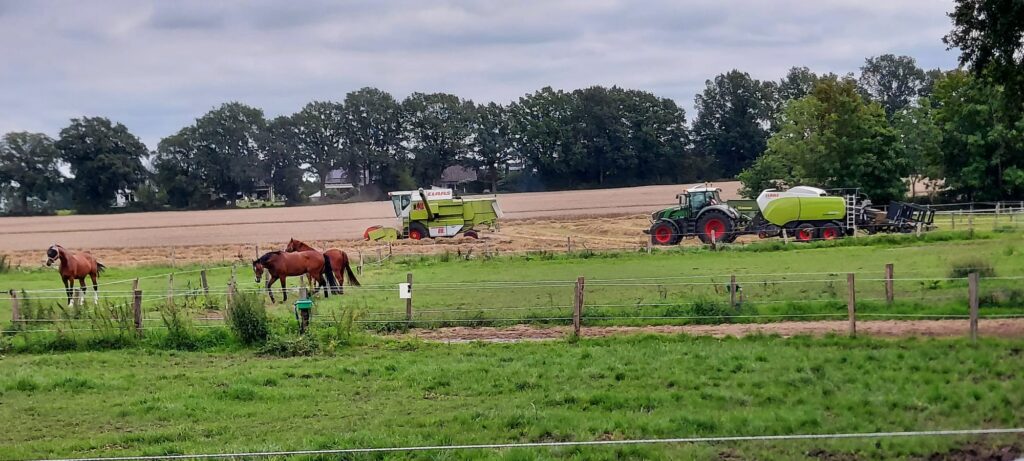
x,y
471,234
418,231
830,231
715,223
805,232
664,233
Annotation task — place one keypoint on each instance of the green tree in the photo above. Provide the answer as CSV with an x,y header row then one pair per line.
x,y
179,173
29,167
437,131
372,121
832,138
892,81
982,155
734,113
320,139
491,147
657,135
283,160
540,129
105,158
990,37
921,141
229,145
797,83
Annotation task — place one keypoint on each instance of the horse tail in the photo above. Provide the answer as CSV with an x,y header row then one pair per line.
x,y
100,267
348,270
329,273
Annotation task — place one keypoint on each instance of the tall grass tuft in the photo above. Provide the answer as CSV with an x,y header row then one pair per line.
x,y
247,316
180,333
963,267
5,264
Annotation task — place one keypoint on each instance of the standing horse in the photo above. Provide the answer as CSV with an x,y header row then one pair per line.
x,y
339,261
75,266
281,265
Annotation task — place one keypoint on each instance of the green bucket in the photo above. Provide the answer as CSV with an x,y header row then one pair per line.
x,y
304,304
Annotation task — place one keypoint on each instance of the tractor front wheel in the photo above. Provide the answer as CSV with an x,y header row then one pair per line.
x,y
418,231
717,224
664,233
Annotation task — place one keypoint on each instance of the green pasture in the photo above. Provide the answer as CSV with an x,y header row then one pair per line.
x,y
408,393
679,285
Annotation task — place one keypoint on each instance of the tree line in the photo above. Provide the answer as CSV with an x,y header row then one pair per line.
x,y
892,121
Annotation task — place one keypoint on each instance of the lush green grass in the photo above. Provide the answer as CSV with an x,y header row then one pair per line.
x,y
793,280
410,393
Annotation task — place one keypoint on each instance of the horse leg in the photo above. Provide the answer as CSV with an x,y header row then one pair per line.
x,y
326,286
81,284
95,289
284,290
68,288
270,291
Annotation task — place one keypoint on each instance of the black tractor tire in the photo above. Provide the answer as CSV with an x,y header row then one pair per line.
x,y
805,232
831,231
665,233
471,234
418,231
719,222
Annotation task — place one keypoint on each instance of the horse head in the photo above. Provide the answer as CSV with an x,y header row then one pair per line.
x,y
293,245
257,268
52,254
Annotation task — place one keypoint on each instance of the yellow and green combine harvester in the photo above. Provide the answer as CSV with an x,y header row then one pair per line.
x,y
437,213
804,213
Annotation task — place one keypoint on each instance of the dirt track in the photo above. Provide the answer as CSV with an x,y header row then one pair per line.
x,y
1004,328
598,219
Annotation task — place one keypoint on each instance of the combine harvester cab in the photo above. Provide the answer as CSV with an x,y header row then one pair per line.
x,y
429,213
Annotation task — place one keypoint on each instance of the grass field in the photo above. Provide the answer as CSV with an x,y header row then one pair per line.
x,y
410,393
669,286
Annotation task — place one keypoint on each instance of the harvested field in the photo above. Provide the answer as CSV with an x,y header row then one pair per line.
x,y
1005,328
595,219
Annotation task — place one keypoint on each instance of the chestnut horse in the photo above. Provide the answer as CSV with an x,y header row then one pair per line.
x,y
339,261
281,265
75,266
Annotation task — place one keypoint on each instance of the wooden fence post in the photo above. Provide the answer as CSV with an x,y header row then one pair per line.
x,y
577,306
137,310
135,284
408,301
303,293
972,293
231,292
851,304
732,291
173,258
15,309
170,288
890,294
206,286
360,268
568,244
970,221
785,237
952,220
380,259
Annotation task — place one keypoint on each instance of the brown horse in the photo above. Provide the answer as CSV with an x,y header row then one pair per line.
x,y
75,266
281,265
339,261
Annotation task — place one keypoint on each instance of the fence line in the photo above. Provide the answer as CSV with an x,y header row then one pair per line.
x,y
580,443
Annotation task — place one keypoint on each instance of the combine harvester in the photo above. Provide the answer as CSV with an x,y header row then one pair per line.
x,y
805,213
437,213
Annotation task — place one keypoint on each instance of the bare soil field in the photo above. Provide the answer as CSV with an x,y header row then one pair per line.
x,y
1003,328
594,219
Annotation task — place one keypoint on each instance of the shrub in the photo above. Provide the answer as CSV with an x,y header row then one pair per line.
x,y
248,318
710,312
963,267
302,346
179,327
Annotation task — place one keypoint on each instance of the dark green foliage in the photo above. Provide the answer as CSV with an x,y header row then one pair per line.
x,y
733,113
990,37
438,128
29,169
964,267
105,158
247,316
892,81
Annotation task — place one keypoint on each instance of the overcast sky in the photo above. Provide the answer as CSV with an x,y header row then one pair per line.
x,y
156,66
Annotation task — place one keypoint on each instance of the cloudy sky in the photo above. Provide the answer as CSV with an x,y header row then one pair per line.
x,y
156,66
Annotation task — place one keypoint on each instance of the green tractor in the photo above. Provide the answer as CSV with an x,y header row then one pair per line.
x,y
701,213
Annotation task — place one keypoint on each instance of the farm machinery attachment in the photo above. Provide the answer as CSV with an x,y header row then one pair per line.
x,y
803,212
437,213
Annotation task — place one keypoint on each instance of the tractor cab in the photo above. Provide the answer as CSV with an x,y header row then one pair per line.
x,y
697,198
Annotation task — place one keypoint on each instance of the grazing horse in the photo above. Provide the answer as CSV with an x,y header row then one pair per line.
x,y
339,261
281,265
75,266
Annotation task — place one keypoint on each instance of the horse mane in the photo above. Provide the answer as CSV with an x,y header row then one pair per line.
x,y
301,244
266,257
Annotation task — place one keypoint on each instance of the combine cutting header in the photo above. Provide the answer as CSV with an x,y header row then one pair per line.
x,y
804,212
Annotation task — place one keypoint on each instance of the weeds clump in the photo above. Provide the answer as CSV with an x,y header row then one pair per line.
x,y
302,346
5,264
247,316
963,267
180,333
